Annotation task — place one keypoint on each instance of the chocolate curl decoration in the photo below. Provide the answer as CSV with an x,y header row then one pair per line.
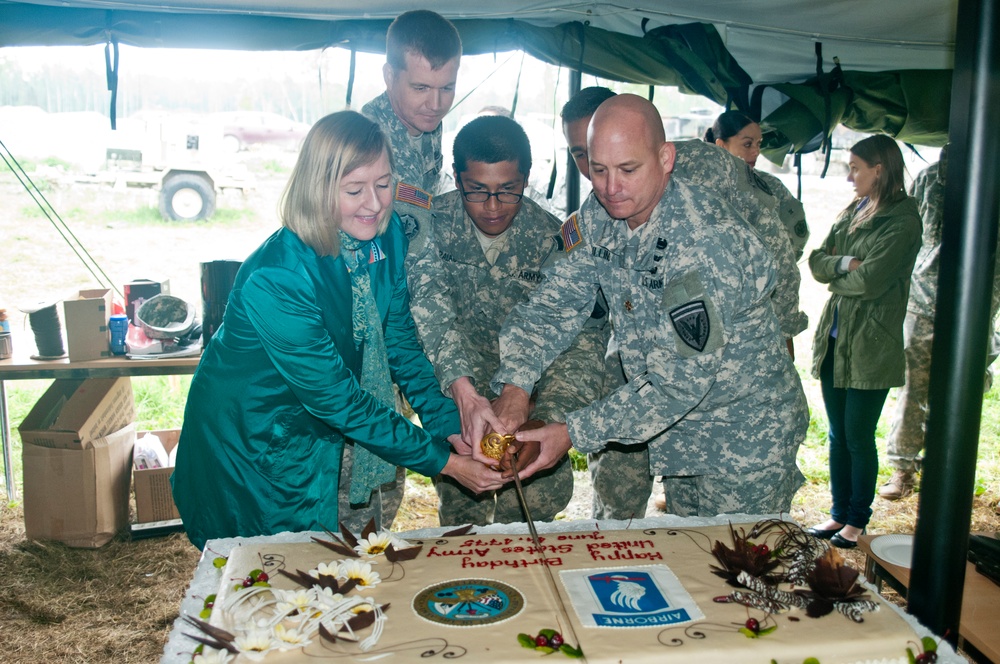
x,y
745,556
219,638
832,583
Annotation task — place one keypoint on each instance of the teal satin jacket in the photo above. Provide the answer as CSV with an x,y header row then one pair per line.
x,y
277,392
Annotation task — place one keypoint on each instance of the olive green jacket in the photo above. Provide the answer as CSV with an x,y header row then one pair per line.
x,y
870,301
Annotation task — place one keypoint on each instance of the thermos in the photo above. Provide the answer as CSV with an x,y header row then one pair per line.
x,y
119,330
217,279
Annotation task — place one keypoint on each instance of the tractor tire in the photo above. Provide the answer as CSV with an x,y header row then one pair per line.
x,y
187,197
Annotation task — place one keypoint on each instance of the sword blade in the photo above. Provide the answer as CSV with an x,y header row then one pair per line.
x,y
569,634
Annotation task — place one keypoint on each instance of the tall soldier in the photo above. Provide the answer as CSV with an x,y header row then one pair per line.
x,y
710,387
489,243
423,51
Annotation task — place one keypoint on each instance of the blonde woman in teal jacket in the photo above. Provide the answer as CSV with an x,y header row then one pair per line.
x,y
858,350
290,422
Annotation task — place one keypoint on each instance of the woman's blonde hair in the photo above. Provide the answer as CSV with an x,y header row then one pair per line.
x,y
889,187
336,145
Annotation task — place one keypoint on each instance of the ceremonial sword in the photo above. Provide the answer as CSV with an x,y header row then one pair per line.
x,y
490,445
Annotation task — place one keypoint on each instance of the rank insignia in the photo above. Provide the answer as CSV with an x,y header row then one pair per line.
x,y
692,324
571,234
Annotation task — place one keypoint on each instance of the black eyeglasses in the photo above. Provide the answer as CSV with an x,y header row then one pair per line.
x,y
483,196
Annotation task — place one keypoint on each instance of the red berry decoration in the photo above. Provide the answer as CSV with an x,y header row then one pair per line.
x,y
928,657
541,641
763,549
752,625
262,577
247,582
555,640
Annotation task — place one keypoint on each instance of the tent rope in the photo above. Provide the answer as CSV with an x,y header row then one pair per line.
x,y
57,222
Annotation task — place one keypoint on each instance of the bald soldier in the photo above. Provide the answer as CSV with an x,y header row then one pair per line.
x,y
710,387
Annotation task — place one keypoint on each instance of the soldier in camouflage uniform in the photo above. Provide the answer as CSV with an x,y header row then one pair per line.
x,y
738,134
906,437
710,387
423,51
487,257
727,175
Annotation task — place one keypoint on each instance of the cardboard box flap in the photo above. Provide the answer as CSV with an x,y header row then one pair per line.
x,y
74,412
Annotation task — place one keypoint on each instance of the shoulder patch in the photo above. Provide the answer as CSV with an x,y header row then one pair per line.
x,y
571,234
407,193
692,324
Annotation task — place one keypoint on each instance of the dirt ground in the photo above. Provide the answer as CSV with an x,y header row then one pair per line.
x,y
117,604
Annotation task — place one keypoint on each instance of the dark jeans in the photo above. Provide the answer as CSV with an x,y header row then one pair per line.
x,y
853,416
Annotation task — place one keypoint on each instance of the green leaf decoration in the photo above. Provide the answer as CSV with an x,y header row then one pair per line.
x,y
205,614
910,656
767,630
219,562
547,633
570,651
526,641
809,660
929,644
545,650
750,634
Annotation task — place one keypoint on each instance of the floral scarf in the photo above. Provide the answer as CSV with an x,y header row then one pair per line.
x,y
370,471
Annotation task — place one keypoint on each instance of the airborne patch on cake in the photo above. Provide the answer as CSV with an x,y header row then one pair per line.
x,y
647,596
468,602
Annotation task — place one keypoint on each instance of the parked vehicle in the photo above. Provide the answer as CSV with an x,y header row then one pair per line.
x,y
242,129
182,155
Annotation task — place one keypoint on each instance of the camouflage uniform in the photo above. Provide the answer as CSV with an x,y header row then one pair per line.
x,y
459,301
773,192
710,166
906,437
710,386
418,162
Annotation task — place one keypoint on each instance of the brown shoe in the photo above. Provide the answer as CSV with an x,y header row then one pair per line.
x,y
660,503
900,485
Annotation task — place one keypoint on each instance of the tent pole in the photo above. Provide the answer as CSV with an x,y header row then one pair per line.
x,y
961,324
572,174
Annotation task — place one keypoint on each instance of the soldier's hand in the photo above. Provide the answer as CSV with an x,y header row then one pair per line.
x,y
512,407
527,451
554,441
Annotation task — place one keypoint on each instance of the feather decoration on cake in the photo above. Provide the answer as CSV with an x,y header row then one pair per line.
x,y
744,556
833,585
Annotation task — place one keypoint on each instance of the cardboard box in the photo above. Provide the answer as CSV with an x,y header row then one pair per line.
x,y
87,325
79,497
154,499
140,290
74,412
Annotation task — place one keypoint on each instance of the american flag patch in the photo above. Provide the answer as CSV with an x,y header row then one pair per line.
x,y
407,193
571,233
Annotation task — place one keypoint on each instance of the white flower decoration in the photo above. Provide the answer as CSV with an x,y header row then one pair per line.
x,y
376,544
362,571
289,638
209,656
256,643
292,602
325,569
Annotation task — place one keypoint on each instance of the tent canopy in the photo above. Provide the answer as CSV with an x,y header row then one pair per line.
x,y
772,58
